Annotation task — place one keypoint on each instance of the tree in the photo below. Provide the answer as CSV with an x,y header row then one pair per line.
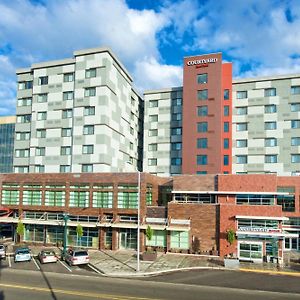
x,y
149,233
79,231
230,236
20,230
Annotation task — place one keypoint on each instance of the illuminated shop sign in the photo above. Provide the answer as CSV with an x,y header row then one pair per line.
x,y
259,229
201,61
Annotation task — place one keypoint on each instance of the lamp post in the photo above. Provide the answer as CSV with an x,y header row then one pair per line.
x,y
138,221
66,218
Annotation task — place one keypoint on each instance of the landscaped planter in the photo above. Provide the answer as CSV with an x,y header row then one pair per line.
x,y
231,263
149,256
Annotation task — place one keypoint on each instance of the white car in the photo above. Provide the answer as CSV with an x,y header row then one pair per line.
x,y
22,254
47,256
2,251
77,257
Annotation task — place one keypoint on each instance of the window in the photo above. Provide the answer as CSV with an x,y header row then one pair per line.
x,y
153,132
42,115
269,159
39,169
202,78
295,141
176,161
127,200
226,126
79,198
22,136
179,240
202,126
242,110
295,107
270,92
90,92
201,172
153,103
270,108
87,149
65,150
176,146
68,95
90,73
131,130
226,94
241,94
55,198
89,111
24,119
270,125
131,146
295,158
241,143
22,153
202,95
68,77
153,118
241,159
177,102
67,113
202,143
226,143
64,169
226,160
87,168
25,85
42,98
176,117
152,162
88,129
102,199
159,239
270,142
66,132
295,90
43,80
201,159
152,147
256,199
40,151
202,110
176,131
295,123
10,197
24,102
226,110
32,197
21,169
41,133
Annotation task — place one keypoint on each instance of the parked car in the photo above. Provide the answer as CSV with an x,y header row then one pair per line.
x,y
77,257
22,254
47,256
2,251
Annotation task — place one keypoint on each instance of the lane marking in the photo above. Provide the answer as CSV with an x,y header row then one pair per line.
x,y
65,265
75,293
94,269
38,267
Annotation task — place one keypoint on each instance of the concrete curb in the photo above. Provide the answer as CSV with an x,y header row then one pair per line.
x,y
271,272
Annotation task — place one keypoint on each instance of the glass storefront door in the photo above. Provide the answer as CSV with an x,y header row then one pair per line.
x,y
128,239
251,251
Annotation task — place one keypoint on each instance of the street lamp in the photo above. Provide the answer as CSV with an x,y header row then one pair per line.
x,y
66,218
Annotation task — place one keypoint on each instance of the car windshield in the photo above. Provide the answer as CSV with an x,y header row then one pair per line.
x,y
22,251
1,247
48,253
81,253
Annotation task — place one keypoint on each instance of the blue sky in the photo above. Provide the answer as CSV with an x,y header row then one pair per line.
x,y
260,37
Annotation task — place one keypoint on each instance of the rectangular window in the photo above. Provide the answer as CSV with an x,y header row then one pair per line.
x,y
177,102
226,94
226,143
176,146
270,159
90,92
295,158
65,132
153,103
41,98
295,90
226,110
10,197
153,118
241,94
64,169
68,95
241,159
79,199
42,115
226,126
242,110
202,111
39,169
21,169
43,80
226,160
153,132
176,131
295,123
203,95
67,113
90,73
87,149
24,102
22,136
102,199
202,127
202,143
201,159
270,92
89,111
25,85
176,161
202,78
176,117
241,143
87,168
40,151
32,197
179,240
159,239
41,133
270,142
295,141
270,125
22,152
152,147
55,198
24,119
68,77
295,107
88,129
270,108
152,162
127,200
65,150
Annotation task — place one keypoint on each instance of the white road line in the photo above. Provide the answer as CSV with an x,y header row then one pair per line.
x,y
38,267
9,262
94,269
65,265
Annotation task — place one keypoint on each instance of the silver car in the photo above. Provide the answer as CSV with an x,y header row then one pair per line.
x,y
22,254
77,257
2,251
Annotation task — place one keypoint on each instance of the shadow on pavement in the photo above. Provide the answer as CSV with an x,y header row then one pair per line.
x,y
48,284
116,259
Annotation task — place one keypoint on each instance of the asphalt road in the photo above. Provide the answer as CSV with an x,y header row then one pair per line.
x,y
35,285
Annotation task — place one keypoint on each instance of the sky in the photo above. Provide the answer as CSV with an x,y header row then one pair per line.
x,y
260,37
